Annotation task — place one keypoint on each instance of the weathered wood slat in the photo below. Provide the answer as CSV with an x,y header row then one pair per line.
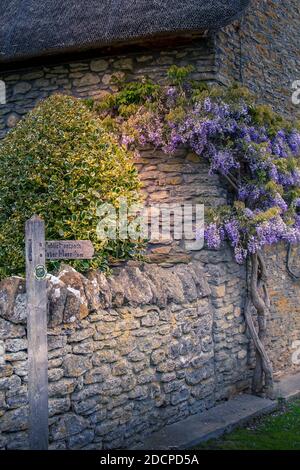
x,y
37,333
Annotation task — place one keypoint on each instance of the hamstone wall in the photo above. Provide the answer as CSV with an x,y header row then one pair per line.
x,y
262,52
284,318
151,344
142,348
127,354
94,77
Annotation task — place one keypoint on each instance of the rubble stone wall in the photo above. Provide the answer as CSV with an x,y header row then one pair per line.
x,y
127,354
158,341
95,77
262,52
142,348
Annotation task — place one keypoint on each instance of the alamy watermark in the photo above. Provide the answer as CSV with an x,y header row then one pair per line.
x,y
156,223
2,92
296,93
296,353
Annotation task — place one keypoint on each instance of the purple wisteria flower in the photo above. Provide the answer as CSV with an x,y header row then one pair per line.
x,y
232,230
294,142
171,92
223,161
263,165
240,254
207,105
278,201
212,236
296,202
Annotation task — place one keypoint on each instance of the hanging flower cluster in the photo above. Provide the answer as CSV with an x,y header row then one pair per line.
x,y
254,149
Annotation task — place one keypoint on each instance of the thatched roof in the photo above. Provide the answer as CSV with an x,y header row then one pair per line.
x,y
35,28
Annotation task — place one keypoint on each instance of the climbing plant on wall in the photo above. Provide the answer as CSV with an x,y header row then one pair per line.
x,y
253,149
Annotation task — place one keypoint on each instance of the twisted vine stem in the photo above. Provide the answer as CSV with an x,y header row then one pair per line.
x,y
257,297
294,276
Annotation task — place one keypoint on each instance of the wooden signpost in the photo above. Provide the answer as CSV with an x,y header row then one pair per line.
x,y
37,251
37,333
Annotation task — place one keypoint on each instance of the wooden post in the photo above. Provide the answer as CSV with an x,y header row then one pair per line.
x,y
37,333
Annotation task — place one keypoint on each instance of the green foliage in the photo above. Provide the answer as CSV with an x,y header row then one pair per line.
x,y
279,431
179,75
126,100
135,93
286,165
61,164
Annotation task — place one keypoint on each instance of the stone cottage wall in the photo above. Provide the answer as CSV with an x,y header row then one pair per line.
x,y
94,77
284,318
153,343
159,341
262,52
127,354
143,348
183,178
193,302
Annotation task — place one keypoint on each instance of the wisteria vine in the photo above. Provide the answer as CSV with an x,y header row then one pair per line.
x,y
255,150
260,162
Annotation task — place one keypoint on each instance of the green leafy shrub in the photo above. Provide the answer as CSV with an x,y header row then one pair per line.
x,y
61,164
